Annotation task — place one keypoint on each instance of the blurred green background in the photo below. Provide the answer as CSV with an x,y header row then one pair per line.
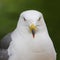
x,y
11,9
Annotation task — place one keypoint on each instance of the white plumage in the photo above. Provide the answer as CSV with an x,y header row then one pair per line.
x,y
26,47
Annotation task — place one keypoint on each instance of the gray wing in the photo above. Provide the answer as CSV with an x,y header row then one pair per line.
x,y
4,43
4,54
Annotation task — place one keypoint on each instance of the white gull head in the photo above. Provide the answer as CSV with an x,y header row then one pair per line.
x,y
31,20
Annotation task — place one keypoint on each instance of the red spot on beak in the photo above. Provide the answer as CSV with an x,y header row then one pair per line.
x,y
33,35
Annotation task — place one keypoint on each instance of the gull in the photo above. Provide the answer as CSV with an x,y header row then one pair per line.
x,y
29,41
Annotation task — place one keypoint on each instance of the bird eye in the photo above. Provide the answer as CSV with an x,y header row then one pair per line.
x,y
39,18
24,19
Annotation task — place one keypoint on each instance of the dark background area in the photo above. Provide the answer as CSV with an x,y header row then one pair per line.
x,y
11,9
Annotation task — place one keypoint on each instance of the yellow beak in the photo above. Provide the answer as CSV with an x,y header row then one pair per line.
x,y
33,29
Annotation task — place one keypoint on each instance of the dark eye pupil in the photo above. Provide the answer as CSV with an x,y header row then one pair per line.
x,y
24,19
39,18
